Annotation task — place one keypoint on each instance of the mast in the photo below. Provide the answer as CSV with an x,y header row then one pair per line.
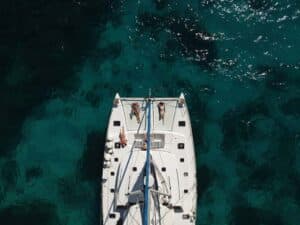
x,y
147,167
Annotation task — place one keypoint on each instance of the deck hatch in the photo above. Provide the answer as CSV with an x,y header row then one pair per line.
x,y
112,215
181,123
180,146
117,145
117,123
177,209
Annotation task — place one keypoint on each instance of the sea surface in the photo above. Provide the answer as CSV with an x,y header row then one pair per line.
x,y
237,62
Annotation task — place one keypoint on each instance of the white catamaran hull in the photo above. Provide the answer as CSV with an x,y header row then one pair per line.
x,y
172,173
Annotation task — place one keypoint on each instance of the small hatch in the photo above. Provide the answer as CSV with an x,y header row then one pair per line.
x,y
112,215
186,191
112,190
117,145
181,123
163,169
180,146
186,174
177,209
112,173
134,168
116,159
117,123
181,159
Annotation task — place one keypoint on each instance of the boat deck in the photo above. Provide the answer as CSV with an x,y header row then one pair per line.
x,y
172,162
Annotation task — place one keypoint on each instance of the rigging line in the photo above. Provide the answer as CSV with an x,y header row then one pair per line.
x,y
147,188
194,185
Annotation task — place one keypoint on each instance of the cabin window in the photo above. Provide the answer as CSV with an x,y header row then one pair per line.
x,y
186,174
117,123
180,146
177,209
163,169
116,159
112,173
112,190
112,215
181,123
181,159
134,169
186,191
117,145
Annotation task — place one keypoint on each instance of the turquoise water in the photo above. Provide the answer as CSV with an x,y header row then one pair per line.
x,y
236,61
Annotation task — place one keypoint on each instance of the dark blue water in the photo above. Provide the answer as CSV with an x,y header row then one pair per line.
x,y
61,62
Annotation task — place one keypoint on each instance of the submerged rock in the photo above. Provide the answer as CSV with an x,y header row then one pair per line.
x,y
247,215
88,166
93,98
9,174
205,176
275,79
34,212
191,39
161,4
259,4
238,125
33,173
291,107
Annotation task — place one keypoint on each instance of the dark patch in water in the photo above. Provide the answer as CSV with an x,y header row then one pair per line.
x,y
238,125
194,42
9,174
192,38
72,191
90,164
259,4
276,79
245,160
161,4
261,177
291,107
35,212
205,178
247,215
169,54
283,151
93,98
207,3
50,39
109,52
295,183
152,23
33,173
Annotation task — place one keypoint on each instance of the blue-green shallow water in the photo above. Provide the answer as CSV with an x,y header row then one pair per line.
x,y
61,63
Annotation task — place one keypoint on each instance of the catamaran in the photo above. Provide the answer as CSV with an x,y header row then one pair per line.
x,y
149,172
